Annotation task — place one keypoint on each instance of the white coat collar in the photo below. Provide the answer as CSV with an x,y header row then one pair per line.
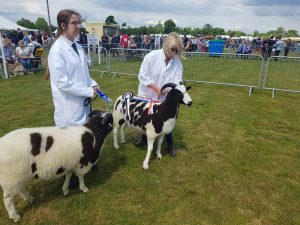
x,y
69,44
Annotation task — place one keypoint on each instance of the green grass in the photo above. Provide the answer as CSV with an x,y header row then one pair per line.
x,y
237,163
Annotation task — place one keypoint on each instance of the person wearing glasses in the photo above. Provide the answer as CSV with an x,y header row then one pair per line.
x,y
158,68
70,80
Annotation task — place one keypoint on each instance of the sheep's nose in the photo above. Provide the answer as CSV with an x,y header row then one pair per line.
x,y
190,103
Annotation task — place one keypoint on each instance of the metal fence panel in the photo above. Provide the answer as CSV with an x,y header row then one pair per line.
x,y
282,74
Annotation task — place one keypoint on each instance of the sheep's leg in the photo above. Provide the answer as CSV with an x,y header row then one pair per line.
x,y
123,140
159,143
81,183
26,196
10,207
65,187
149,151
116,145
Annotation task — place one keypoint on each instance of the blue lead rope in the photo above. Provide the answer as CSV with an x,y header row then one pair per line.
x,y
102,95
105,98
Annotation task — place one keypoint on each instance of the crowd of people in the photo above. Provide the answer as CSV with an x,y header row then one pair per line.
x,y
25,48
272,46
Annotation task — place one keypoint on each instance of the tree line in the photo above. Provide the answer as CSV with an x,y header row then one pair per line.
x,y
167,27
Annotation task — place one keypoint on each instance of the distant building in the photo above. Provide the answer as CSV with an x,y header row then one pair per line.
x,y
101,28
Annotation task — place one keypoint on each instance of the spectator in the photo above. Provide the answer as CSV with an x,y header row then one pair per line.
x,y
270,46
105,42
23,55
115,44
287,46
8,52
20,35
279,45
26,38
124,41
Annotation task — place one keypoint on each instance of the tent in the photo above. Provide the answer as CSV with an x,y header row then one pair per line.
x,y
6,24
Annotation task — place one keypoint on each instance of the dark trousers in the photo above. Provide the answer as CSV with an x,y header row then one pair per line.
x,y
169,138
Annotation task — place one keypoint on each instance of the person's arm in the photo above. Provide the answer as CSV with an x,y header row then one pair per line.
x,y
62,79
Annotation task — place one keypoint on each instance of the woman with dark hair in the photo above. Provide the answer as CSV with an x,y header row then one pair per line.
x,y
71,83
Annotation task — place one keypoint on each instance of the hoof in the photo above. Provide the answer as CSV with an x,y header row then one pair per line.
x,y
117,147
66,192
84,189
16,218
146,167
159,156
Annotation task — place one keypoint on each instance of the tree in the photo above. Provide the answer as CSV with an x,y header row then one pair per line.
x,y
207,29
169,26
255,33
292,33
41,24
110,20
26,23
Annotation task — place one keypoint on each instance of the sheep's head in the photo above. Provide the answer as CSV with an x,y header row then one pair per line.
x,y
179,93
100,120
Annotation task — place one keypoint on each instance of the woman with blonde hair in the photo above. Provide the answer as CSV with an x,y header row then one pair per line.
x,y
158,68
23,54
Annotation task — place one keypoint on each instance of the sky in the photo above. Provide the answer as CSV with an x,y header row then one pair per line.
x,y
243,15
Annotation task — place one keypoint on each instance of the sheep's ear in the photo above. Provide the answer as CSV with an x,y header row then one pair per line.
x,y
188,88
108,118
95,113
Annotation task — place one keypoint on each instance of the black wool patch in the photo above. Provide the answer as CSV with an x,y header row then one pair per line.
x,y
90,153
36,141
60,170
33,168
49,143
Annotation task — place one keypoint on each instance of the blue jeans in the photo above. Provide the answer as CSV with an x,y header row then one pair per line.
x,y
27,63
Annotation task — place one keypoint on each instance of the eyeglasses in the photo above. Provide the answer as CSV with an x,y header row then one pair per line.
x,y
175,50
75,23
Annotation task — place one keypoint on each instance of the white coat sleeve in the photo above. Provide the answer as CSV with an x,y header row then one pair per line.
x,y
145,72
178,74
63,79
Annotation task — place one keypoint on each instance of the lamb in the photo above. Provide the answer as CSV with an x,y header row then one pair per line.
x,y
130,110
49,153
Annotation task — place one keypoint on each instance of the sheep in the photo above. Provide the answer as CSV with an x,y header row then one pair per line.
x,y
49,153
128,109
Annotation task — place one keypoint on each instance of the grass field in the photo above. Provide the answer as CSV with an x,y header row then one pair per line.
x,y
238,162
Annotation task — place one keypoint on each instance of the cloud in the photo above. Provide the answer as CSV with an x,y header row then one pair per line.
x,y
244,15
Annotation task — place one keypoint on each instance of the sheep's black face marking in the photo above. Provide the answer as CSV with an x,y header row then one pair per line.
x,y
60,170
36,140
90,153
49,143
33,168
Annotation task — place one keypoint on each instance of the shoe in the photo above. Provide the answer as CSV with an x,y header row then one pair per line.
x,y
142,142
171,150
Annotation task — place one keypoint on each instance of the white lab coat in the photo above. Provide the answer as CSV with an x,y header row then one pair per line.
x,y
71,83
155,71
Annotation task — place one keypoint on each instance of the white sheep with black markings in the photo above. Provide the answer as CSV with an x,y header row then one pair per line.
x,y
155,119
48,153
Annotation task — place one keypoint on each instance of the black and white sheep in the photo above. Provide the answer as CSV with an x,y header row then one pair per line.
x,y
48,153
156,119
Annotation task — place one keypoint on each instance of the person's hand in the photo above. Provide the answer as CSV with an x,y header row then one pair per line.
x,y
96,88
155,88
